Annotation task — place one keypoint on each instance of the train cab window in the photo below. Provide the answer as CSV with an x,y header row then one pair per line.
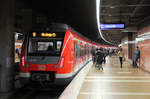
x,y
44,47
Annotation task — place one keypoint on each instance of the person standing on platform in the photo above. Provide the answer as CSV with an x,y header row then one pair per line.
x,y
17,51
100,58
136,56
105,54
121,56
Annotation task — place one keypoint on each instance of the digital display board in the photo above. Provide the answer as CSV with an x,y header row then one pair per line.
x,y
34,34
41,34
112,26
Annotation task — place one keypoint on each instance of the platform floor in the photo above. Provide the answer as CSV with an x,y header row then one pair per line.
x,y
116,83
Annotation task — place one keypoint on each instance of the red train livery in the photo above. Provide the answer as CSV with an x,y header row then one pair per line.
x,y
54,55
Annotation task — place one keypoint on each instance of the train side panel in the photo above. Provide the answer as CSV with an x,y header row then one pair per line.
x,y
66,55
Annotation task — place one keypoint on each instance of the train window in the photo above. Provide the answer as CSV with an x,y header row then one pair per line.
x,y
74,46
83,50
78,50
42,47
59,45
86,50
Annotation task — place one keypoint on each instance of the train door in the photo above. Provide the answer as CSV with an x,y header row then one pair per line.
x,y
81,53
74,57
77,53
86,52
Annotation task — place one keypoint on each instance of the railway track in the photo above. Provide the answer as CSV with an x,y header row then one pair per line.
x,y
36,93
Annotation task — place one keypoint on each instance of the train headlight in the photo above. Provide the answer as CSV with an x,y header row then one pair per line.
x,y
23,61
61,62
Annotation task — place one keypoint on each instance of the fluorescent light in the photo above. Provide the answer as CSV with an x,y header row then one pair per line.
x,y
112,7
139,39
98,21
126,42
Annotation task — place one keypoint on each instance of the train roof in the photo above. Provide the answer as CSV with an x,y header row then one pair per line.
x,y
61,27
58,27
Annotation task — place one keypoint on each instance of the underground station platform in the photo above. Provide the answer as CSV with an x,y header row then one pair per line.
x,y
111,83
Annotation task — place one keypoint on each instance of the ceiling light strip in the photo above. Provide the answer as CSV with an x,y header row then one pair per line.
x,y
98,21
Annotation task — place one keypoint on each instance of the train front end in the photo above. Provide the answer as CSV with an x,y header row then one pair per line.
x,y
41,57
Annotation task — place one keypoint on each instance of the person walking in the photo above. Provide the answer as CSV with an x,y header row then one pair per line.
x,y
136,56
105,55
121,56
100,58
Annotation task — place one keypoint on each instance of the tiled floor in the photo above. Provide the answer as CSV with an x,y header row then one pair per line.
x,y
116,83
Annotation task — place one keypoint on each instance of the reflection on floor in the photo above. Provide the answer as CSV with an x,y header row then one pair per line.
x,y
116,83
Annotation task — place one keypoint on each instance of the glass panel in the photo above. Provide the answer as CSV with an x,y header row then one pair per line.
x,y
59,45
44,47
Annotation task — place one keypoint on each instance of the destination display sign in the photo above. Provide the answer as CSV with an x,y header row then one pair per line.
x,y
112,26
34,34
39,34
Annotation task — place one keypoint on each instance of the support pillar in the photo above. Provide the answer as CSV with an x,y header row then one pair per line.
x,y
7,45
130,38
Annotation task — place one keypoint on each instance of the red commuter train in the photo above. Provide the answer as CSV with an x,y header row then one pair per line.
x,y
54,55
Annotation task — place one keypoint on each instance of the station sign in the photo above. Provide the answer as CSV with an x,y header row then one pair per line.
x,y
112,26
34,34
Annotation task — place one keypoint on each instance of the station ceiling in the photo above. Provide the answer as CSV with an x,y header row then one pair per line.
x,y
81,15
133,13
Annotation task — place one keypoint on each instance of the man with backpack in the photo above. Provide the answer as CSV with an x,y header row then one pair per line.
x,y
100,58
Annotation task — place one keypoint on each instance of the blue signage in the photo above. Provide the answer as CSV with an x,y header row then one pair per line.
x,y
112,26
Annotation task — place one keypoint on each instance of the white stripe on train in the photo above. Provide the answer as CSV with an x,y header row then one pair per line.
x,y
27,75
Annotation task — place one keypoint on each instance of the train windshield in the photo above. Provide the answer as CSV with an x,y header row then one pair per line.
x,y
44,46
